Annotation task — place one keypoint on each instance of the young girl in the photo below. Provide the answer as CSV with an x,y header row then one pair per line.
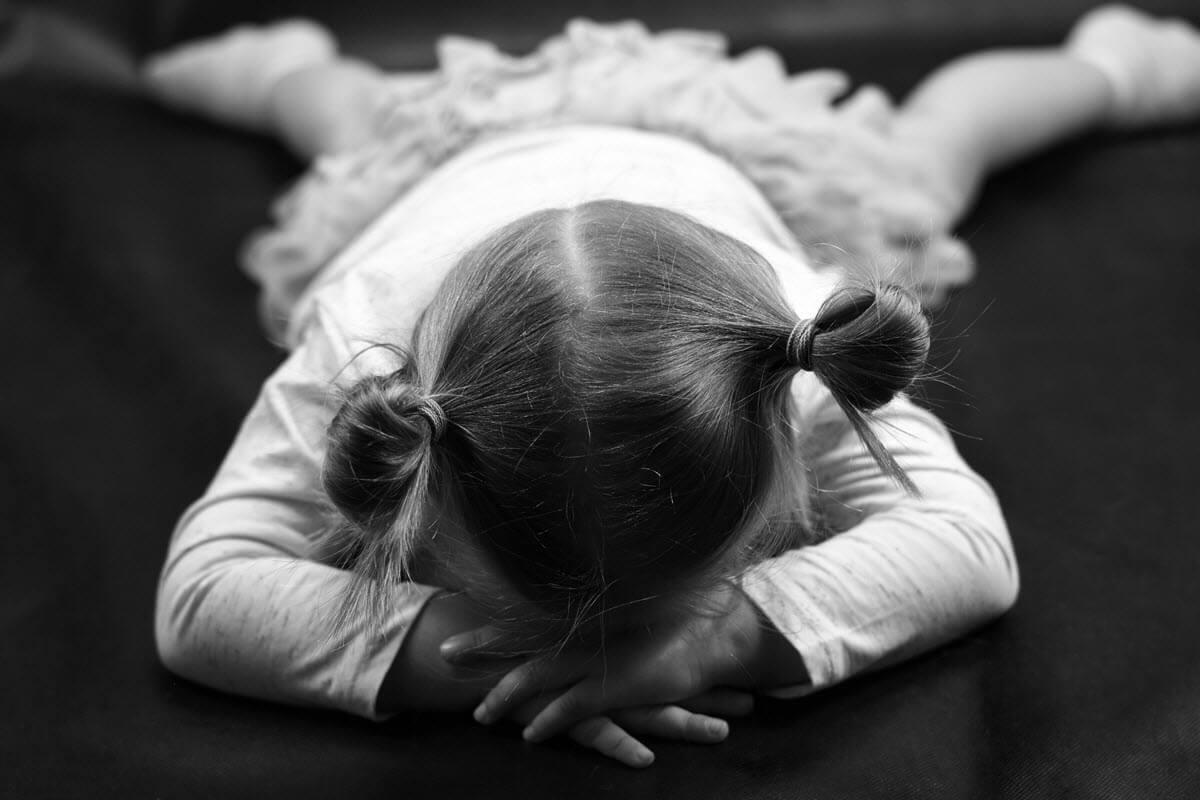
x,y
593,415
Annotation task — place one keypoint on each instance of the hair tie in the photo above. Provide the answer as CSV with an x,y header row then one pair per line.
x,y
435,415
800,344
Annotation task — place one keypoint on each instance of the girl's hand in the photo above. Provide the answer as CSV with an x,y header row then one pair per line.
x,y
611,735
649,666
420,679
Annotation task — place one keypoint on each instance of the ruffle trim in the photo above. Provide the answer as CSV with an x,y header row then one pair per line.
x,y
848,193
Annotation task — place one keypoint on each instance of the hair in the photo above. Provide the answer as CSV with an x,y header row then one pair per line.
x,y
596,405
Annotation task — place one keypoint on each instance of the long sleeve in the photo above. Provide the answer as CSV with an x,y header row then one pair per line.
x,y
241,606
902,574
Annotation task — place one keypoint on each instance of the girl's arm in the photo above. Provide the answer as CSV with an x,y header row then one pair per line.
x,y
419,678
241,606
903,574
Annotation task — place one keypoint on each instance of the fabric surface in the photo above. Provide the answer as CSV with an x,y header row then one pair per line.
x,y
133,351
829,173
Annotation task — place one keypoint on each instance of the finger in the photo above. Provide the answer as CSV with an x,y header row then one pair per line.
x,y
477,644
721,703
607,738
582,701
673,722
525,682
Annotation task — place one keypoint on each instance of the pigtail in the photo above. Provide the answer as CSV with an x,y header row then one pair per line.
x,y
378,473
865,345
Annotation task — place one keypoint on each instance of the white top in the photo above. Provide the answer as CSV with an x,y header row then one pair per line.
x,y
242,608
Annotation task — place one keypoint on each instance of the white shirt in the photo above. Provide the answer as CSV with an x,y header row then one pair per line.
x,y
241,606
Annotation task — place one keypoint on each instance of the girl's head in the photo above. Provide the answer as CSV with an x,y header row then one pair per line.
x,y
594,414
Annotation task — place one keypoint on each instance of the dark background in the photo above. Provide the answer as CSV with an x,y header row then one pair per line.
x,y
131,351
